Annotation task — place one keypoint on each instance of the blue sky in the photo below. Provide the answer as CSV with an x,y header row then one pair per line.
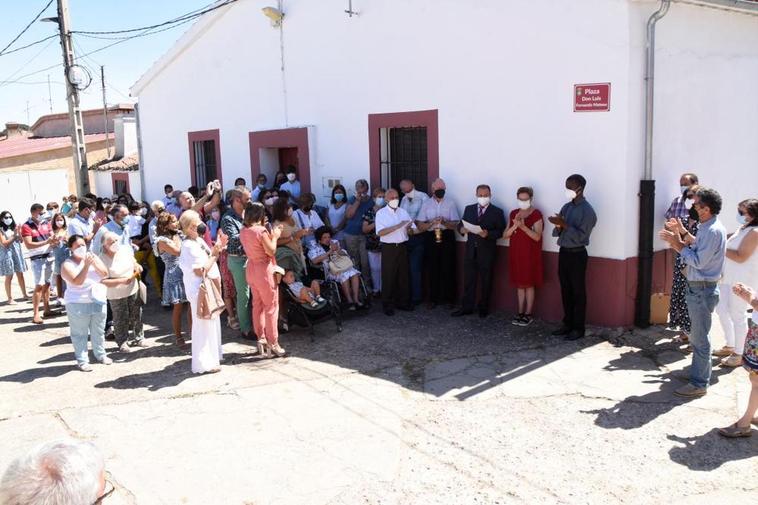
x,y
124,63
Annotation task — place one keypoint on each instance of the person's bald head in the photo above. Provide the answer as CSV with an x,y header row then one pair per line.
x,y
406,186
438,184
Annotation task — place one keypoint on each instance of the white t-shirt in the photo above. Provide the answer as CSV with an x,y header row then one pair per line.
x,y
387,218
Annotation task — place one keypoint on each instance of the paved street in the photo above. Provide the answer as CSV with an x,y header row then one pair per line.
x,y
419,408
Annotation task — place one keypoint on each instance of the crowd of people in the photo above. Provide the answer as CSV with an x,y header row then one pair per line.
x,y
205,251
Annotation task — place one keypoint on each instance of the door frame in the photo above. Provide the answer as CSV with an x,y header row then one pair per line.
x,y
120,177
425,118
276,139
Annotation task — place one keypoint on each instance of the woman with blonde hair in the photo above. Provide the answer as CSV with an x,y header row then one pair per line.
x,y
197,262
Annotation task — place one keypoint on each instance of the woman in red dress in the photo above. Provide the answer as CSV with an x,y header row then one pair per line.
x,y
525,254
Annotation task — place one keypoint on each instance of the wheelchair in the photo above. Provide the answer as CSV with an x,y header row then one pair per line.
x,y
305,315
318,272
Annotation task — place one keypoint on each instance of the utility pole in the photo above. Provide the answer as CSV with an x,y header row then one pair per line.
x,y
49,94
27,113
105,112
81,173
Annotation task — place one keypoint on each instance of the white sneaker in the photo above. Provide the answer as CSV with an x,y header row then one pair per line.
x,y
124,348
85,367
106,361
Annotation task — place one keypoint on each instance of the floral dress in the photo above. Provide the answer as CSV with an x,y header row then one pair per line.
x,y
372,239
679,317
11,257
173,281
750,354
318,250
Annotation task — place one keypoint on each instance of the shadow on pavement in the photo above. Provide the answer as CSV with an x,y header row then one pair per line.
x,y
709,451
27,376
170,376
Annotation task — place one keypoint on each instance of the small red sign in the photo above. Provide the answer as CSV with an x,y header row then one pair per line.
x,y
592,97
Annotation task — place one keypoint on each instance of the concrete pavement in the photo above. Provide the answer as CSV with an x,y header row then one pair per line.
x,y
418,408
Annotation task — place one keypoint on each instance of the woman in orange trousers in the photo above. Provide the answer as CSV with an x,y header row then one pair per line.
x,y
258,240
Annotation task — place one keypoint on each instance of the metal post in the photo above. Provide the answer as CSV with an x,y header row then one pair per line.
x,y
79,148
105,114
49,94
647,184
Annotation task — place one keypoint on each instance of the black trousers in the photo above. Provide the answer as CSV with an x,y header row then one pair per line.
x,y
440,261
395,276
475,270
572,272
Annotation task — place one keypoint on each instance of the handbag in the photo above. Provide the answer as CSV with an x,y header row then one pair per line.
x,y
210,301
339,263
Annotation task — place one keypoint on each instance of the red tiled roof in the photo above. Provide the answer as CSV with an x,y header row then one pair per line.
x,y
19,146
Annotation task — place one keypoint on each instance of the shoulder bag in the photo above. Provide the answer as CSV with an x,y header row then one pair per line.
x,y
210,301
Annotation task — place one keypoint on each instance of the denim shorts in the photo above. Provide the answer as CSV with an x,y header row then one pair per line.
x,y
42,268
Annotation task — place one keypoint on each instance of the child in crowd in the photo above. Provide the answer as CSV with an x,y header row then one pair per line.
x,y
311,295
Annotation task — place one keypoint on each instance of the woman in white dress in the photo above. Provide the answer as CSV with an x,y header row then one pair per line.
x,y
197,260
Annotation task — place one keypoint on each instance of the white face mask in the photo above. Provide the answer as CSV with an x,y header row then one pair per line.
x,y
291,177
570,194
524,204
80,252
483,201
682,189
268,201
113,247
394,203
411,194
688,203
8,221
143,212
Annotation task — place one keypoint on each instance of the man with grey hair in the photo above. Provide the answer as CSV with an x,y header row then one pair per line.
x,y
355,239
63,472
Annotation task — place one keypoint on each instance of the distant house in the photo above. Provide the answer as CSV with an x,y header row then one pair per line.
x,y
119,173
37,161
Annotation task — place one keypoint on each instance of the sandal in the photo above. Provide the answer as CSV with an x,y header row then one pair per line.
x,y
38,321
735,431
681,339
724,352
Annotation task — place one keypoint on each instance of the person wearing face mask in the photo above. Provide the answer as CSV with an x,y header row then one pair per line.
x,y
168,244
355,240
679,316
439,218
411,202
481,249
336,216
197,261
573,227
38,238
123,292
118,224
60,251
373,245
525,254
392,225
85,302
85,223
679,207
292,185
168,198
307,219
11,255
260,184
742,427
704,257
741,266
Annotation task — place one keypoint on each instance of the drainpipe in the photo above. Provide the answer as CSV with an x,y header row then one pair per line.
x,y
647,184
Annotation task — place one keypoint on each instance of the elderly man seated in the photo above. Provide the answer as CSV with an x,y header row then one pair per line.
x,y
64,472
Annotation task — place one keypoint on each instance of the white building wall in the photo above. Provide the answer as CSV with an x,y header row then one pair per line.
x,y
501,75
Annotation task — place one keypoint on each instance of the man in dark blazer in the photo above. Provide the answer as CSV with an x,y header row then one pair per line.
x,y
480,251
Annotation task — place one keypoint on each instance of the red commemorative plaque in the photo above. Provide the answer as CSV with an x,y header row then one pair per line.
x,y
592,97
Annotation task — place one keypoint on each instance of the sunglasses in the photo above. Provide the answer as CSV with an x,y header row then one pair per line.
x,y
107,493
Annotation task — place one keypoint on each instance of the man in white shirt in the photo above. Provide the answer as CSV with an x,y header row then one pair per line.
x,y
292,186
307,218
412,202
392,225
438,218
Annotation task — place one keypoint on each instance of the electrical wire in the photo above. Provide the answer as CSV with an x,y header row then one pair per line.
x,y
183,18
54,36
7,80
2,51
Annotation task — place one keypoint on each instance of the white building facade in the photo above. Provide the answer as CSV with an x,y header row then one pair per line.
x,y
471,91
